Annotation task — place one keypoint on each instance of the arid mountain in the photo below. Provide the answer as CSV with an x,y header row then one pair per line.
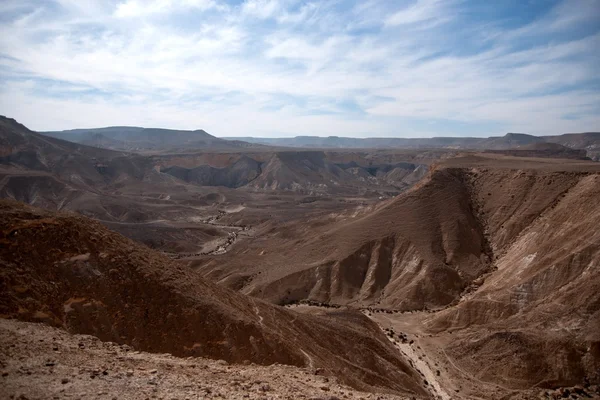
x,y
169,201
303,171
71,272
586,140
125,191
542,302
78,164
131,138
386,257
143,139
545,150
589,141
307,172
57,174
481,267
504,249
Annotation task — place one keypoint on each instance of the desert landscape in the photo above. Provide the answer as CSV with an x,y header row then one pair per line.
x,y
250,271
299,199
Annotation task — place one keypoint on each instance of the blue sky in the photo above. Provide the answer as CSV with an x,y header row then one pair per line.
x,y
405,68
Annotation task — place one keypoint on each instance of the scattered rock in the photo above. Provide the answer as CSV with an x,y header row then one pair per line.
x,y
265,388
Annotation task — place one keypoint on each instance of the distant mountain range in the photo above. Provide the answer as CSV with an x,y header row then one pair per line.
x,y
589,141
131,138
127,138
55,173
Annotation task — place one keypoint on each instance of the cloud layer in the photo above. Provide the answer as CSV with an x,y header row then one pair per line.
x,y
292,67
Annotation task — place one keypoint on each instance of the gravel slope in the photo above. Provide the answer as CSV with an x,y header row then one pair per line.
x,y
41,362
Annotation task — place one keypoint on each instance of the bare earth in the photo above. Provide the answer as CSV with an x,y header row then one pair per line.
x,y
288,273
64,366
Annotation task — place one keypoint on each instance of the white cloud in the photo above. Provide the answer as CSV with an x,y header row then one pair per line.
x,y
420,11
138,8
268,67
261,8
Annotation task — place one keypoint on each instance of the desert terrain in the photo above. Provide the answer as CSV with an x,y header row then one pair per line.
x,y
146,263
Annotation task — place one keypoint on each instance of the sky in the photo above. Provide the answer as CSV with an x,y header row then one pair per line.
x,y
280,68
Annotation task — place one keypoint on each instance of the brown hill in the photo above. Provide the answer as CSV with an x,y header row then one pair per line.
x,y
131,138
589,141
60,175
301,172
239,173
71,272
41,362
506,250
165,200
421,250
585,140
386,257
92,169
510,141
544,150
86,167
542,304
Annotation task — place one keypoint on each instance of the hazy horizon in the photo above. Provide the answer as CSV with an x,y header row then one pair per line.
x,y
285,68
320,136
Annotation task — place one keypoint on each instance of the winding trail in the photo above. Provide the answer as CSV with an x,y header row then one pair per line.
x,y
421,365
311,363
224,246
409,353
409,350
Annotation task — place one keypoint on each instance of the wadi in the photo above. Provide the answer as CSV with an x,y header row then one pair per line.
x,y
299,199
243,271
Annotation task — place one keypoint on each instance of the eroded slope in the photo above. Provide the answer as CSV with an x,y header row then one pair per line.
x,y
40,362
425,249
542,305
71,272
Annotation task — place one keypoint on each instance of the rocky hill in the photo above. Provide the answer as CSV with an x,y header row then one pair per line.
x,y
70,162
503,249
71,272
303,172
63,365
164,200
241,172
441,228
